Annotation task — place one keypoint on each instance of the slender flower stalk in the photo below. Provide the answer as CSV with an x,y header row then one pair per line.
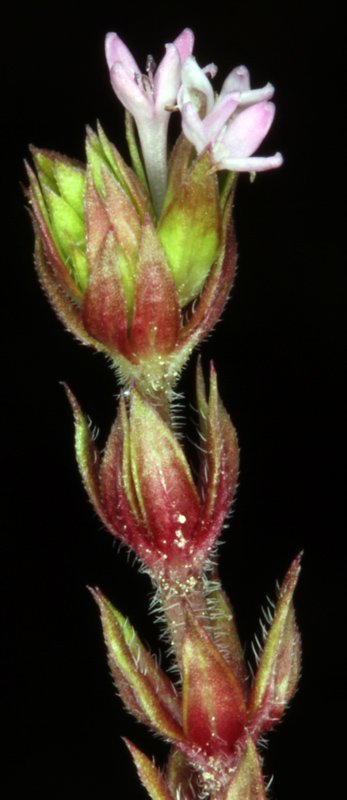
x,y
138,262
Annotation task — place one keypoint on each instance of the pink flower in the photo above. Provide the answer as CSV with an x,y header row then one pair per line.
x,y
233,124
148,98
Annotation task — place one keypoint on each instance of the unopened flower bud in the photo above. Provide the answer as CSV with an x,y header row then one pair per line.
x,y
143,488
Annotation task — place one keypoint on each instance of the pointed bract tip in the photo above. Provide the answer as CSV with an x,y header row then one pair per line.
x,y
95,592
75,406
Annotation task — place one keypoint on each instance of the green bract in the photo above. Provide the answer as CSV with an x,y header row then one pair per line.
x,y
190,225
60,194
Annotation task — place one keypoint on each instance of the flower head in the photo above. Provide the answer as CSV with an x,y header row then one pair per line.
x,y
119,282
142,273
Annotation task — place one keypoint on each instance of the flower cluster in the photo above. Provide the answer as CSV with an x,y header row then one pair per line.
x,y
138,262
232,125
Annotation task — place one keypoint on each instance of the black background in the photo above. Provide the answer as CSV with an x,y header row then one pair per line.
x,y
280,354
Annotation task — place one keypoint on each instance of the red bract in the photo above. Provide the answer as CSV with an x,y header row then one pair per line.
x,y
213,703
143,489
215,721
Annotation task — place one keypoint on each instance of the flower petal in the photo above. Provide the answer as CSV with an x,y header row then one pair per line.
x,y
184,43
130,93
194,83
215,121
167,79
257,95
251,164
117,51
193,127
247,130
237,81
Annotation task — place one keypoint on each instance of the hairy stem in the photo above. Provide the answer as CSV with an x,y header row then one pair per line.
x,y
173,598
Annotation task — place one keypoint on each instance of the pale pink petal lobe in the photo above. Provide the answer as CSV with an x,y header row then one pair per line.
x,y
167,78
246,132
184,43
193,127
130,93
251,164
237,81
116,50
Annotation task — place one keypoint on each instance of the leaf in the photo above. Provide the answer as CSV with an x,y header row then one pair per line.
x,y
152,697
218,465
150,776
181,775
87,456
247,782
279,667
